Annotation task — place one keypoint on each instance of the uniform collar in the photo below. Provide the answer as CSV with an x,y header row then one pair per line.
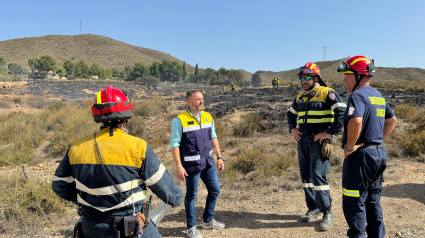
x,y
200,114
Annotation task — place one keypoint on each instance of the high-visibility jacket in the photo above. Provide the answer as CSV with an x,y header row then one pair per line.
x,y
130,162
320,111
196,146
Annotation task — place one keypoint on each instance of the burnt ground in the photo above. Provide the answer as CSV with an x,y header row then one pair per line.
x,y
260,211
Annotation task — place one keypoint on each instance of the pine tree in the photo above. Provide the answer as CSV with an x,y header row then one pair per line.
x,y
184,71
196,71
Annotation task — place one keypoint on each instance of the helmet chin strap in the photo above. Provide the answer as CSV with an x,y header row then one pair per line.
x,y
358,80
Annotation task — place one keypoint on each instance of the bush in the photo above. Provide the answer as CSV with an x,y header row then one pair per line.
x,y
251,124
17,101
147,80
405,111
10,157
413,143
150,108
25,205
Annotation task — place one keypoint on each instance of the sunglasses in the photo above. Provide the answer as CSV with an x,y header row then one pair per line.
x,y
306,79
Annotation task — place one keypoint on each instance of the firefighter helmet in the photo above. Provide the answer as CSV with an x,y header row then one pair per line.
x,y
358,65
111,104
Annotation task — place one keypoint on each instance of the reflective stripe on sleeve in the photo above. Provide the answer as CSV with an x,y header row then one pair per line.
x,y
157,176
321,188
351,193
293,110
340,104
69,179
123,187
308,185
135,197
192,158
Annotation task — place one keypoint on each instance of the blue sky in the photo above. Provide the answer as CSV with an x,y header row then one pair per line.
x,y
250,35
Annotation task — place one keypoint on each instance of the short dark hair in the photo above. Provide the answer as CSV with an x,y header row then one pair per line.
x,y
189,93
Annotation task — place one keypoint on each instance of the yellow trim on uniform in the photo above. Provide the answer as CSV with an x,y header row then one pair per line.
x,y
351,193
99,97
357,60
347,72
377,101
317,113
311,120
186,118
120,149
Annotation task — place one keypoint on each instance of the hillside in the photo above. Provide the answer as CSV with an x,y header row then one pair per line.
x,y
328,69
106,52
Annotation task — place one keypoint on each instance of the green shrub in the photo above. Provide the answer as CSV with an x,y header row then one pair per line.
x,y
14,158
17,101
413,143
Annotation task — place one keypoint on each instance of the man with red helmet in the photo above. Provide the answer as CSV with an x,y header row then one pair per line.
x,y
108,173
367,122
318,111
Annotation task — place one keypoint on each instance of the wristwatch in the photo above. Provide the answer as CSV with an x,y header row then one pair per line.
x,y
220,158
348,150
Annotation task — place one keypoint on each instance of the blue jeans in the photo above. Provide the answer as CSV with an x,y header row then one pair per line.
x,y
313,168
362,177
93,229
210,179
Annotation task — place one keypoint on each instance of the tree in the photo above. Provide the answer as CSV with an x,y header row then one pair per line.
x,y
184,71
139,70
154,69
3,69
170,71
16,70
34,62
196,70
70,69
256,79
128,71
236,76
95,70
209,74
115,73
46,63
83,69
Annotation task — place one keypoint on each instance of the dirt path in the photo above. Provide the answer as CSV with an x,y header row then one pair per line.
x,y
274,213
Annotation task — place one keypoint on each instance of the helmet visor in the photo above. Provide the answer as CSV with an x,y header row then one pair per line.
x,y
305,70
345,68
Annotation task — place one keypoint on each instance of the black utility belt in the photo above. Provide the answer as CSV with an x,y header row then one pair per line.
x,y
99,217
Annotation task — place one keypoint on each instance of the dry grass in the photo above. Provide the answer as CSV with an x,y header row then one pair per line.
x,y
26,203
151,108
405,111
249,125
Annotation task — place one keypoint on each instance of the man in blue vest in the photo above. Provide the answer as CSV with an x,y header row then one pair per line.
x,y
368,121
193,142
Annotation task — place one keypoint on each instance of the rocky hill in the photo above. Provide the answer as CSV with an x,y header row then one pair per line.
x,y
106,52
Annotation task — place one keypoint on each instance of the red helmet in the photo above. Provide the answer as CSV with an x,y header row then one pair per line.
x,y
111,104
309,68
358,65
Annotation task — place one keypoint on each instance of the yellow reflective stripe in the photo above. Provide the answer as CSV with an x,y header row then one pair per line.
x,y
99,97
316,113
310,120
351,193
356,60
377,101
135,197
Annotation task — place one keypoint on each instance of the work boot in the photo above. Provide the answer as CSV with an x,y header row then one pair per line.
x,y
193,232
310,216
327,221
213,225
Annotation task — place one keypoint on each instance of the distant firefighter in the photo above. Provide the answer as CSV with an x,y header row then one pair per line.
x,y
277,82
274,81
233,86
224,88
203,91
